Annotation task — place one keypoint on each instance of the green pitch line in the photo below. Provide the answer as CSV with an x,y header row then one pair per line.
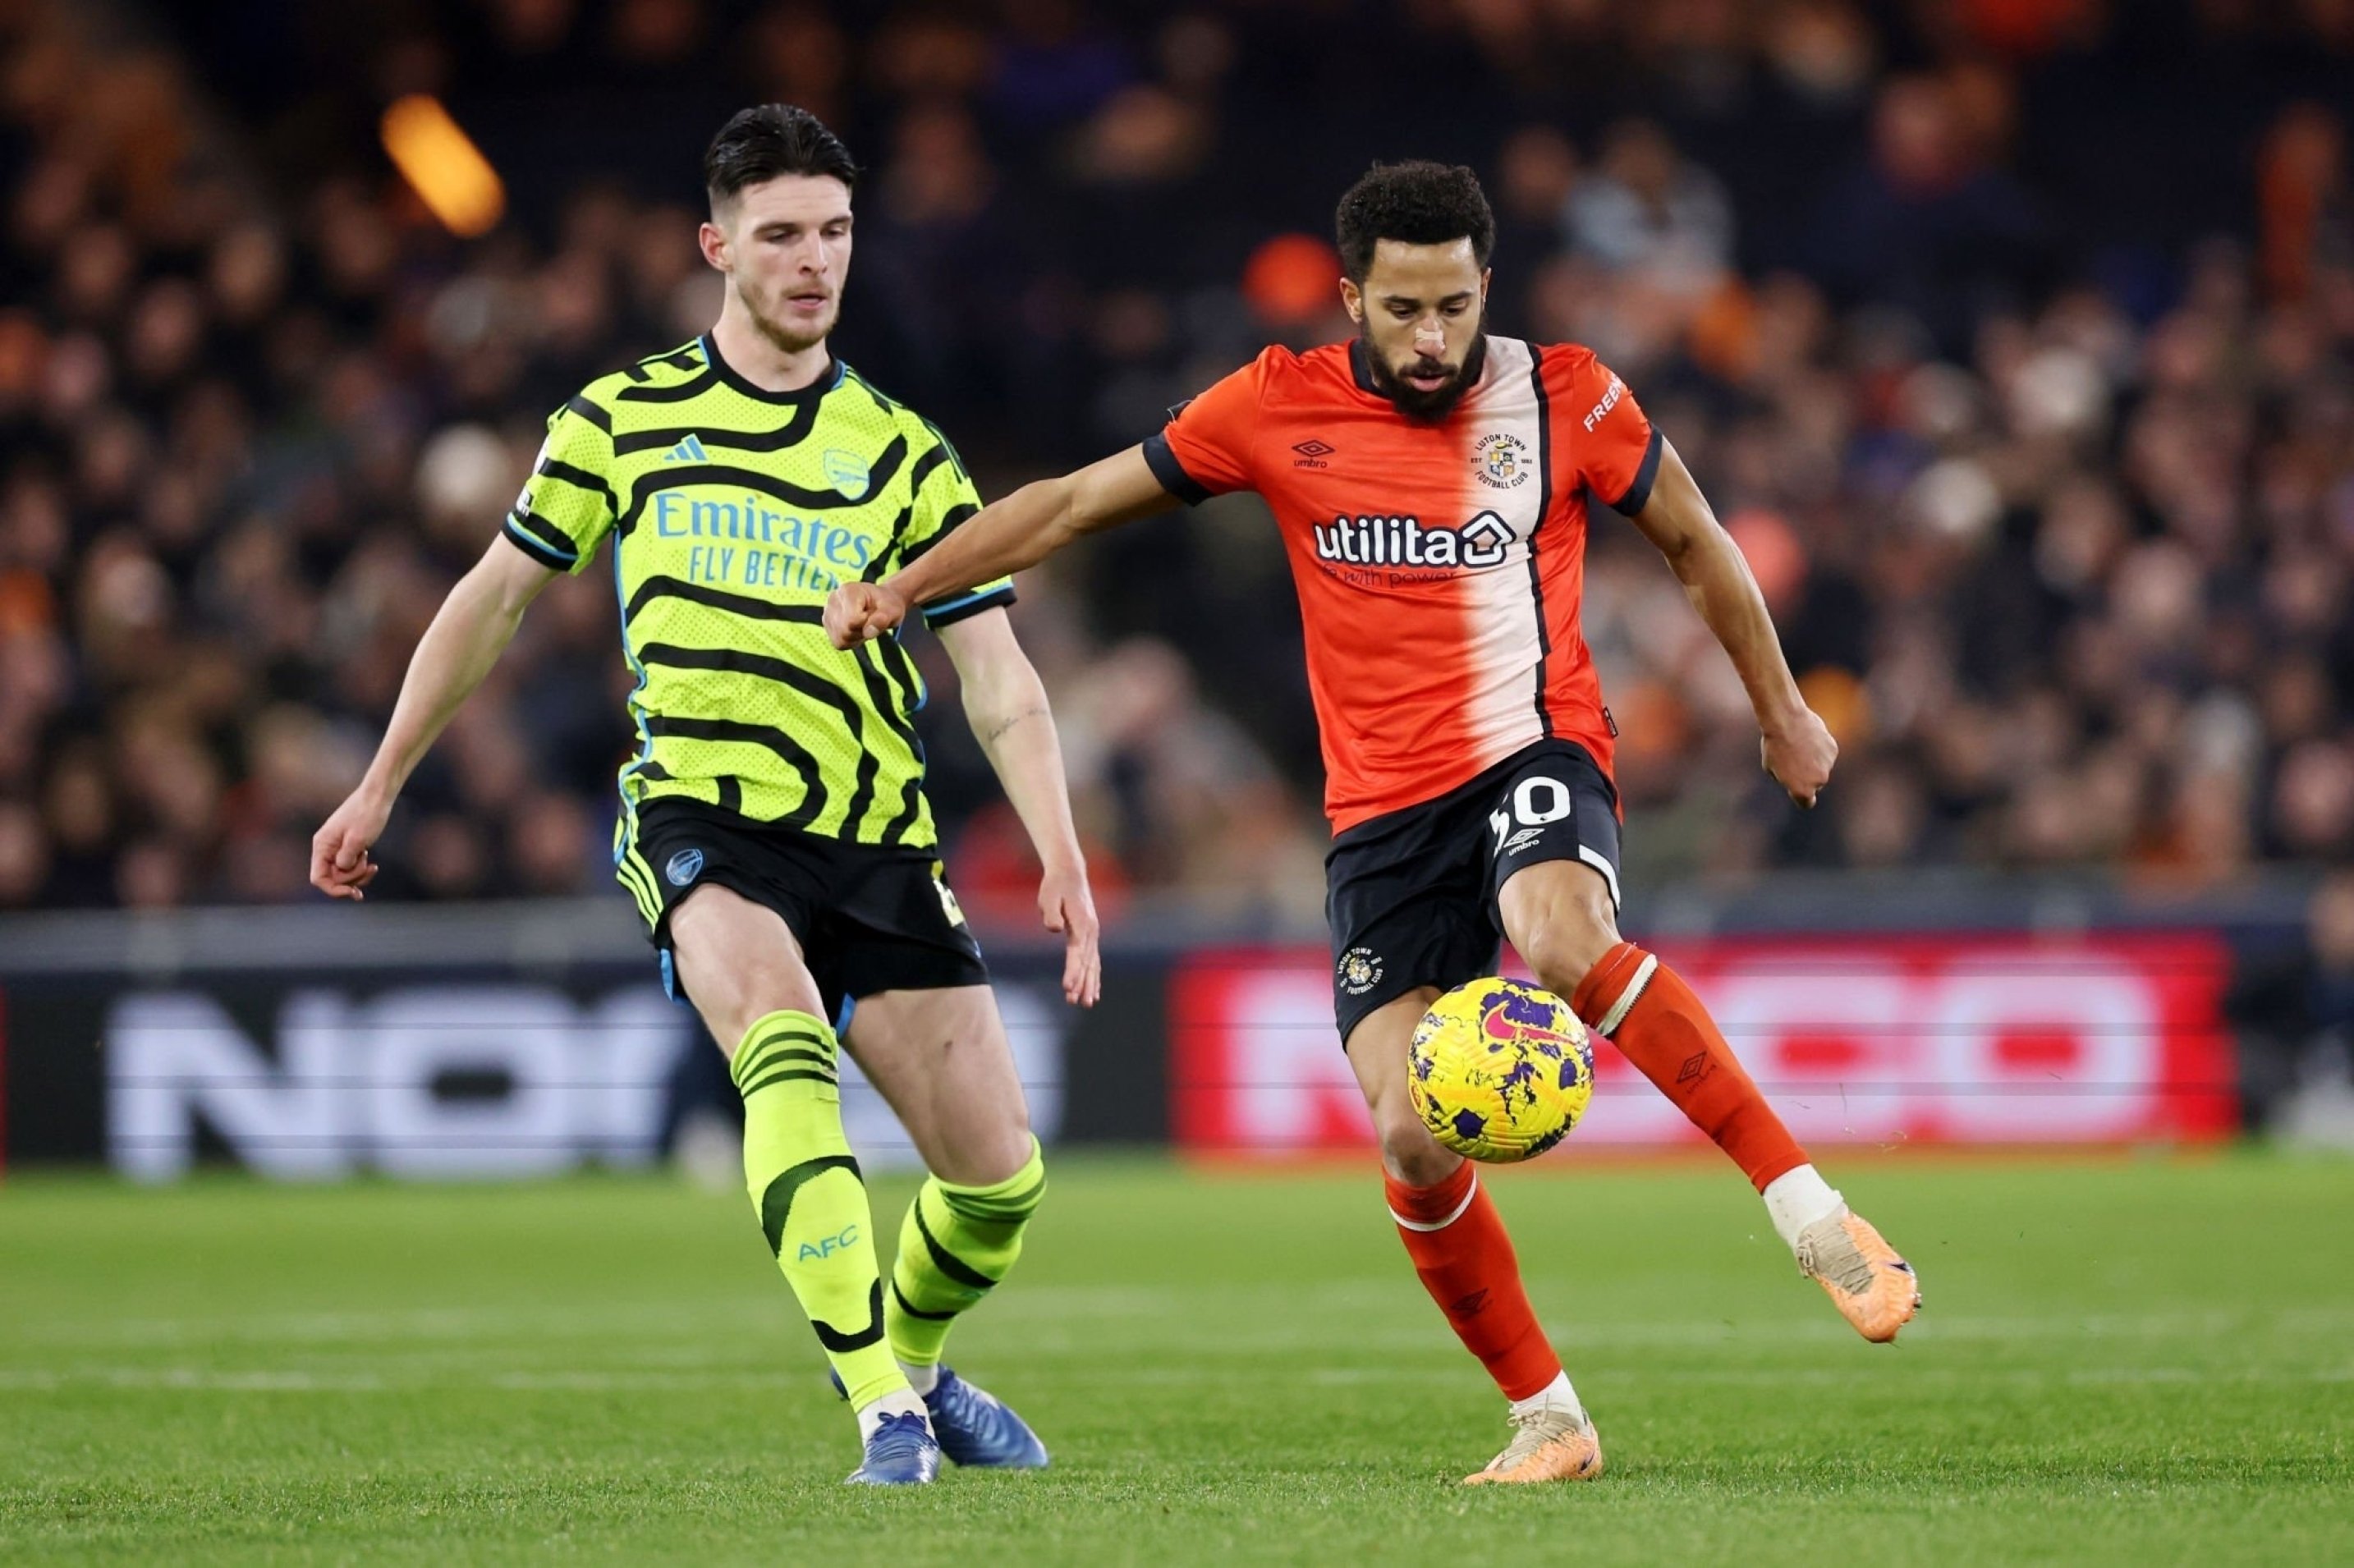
x,y
2131,1362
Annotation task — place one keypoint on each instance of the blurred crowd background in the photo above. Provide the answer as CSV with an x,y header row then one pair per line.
x,y
2013,339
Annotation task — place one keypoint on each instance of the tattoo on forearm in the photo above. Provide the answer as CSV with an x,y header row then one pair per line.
x,y
997,731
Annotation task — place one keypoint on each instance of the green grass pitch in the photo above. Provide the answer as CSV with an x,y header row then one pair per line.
x,y
2140,1361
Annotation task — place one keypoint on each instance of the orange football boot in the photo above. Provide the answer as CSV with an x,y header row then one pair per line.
x,y
1549,1444
1874,1289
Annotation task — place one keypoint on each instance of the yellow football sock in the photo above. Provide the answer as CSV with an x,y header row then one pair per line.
x,y
810,1198
956,1244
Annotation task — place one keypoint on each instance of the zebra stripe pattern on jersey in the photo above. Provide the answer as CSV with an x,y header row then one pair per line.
x,y
732,513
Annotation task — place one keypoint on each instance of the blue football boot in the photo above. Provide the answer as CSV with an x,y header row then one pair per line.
x,y
975,1427
901,1453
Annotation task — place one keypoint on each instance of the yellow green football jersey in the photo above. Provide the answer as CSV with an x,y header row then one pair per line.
x,y
733,511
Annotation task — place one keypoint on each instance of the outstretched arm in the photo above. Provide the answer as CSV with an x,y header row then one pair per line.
x,y
473,628
1006,705
1797,748
1019,531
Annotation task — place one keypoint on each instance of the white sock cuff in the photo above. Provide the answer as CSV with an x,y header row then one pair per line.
x,y
898,1401
1468,1194
1556,1393
1796,1199
1628,997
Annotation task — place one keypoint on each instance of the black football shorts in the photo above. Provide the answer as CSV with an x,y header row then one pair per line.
x,y
868,919
1411,894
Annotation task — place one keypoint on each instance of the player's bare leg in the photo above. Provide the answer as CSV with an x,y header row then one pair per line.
x,y
1464,1258
1560,919
742,969
941,1060
738,961
1377,1055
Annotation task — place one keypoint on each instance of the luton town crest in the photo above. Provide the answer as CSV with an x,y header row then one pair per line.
x,y
1501,460
1359,970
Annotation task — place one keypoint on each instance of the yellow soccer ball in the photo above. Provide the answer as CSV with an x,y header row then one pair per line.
x,y
1499,1071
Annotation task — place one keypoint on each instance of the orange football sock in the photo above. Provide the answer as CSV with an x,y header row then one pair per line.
x,y
1652,1016
1460,1246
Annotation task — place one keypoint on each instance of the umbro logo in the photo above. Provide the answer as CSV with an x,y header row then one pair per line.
x,y
1312,453
689,450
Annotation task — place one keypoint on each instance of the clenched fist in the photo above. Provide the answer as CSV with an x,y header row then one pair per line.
x,y
1799,755
340,864
860,612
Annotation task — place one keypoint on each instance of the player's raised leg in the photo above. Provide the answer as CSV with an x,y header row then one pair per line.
x,y
740,965
1562,920
941,1059
1465,1259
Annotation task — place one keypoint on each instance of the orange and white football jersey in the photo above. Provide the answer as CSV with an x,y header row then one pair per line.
x,y
1439,564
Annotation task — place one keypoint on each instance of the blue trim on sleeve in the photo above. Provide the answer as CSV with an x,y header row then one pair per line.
x,y
948,612
516,535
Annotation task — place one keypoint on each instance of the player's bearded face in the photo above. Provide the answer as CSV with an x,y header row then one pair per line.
x,y
1425,386
789,253
793,319
1421,313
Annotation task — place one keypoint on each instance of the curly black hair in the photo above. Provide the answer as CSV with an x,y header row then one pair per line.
x,y
1420,203
773,139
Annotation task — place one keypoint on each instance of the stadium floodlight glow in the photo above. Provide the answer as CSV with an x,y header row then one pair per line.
x,y
442,166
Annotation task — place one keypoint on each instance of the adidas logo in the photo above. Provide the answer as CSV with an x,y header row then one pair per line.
x,y
689,450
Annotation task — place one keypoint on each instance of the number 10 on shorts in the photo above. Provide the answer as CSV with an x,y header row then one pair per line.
x,y
1536,801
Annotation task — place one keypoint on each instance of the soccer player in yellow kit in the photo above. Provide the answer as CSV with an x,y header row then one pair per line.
x,y
774,832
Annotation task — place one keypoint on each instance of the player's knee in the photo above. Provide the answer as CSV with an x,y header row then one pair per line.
x,y
1408,1152
1010,1152
724,1011
732,1012
1566,940
728,1025
1035,1163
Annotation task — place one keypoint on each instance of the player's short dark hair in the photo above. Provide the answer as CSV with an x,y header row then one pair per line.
x,y
1418,203
768,140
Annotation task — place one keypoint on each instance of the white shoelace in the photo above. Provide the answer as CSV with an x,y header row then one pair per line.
x,y
1532,1430
1828,1252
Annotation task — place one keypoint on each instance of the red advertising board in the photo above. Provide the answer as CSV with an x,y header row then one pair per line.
x,y
1882,1040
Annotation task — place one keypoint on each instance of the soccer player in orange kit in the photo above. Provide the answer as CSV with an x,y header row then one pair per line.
x,y
1431,483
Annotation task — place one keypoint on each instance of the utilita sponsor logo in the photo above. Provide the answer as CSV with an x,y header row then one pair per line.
x,y
1404,542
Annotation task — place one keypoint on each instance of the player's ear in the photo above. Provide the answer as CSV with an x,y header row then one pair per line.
x,y
712,241
1485,273
1352,300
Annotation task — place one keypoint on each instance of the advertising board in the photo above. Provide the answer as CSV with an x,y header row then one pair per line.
x,y
2102,1039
